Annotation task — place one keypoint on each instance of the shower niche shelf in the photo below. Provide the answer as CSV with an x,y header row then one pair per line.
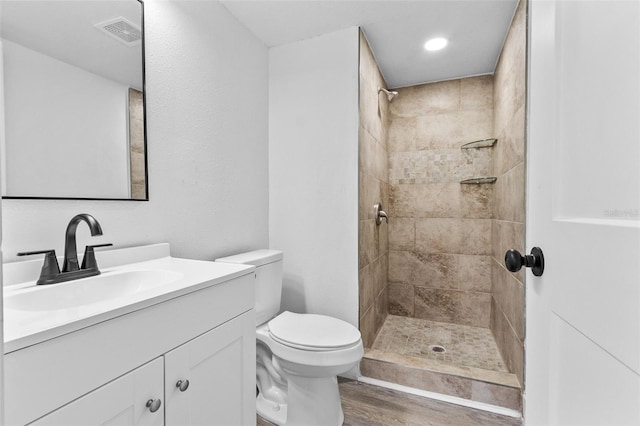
x,y
483,143
479,180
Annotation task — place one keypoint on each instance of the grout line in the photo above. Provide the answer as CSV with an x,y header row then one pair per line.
x,y
444,398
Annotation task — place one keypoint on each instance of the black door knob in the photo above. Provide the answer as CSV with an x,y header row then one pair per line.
x,y
514,261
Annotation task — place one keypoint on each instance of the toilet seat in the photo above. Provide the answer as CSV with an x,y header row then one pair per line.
x,y
311,332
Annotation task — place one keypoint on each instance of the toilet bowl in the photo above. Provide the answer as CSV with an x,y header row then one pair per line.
x,y
298,356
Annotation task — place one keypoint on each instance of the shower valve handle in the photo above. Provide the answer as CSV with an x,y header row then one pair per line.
x,y
514,261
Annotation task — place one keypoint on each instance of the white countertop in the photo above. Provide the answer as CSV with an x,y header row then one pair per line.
x,y
23,328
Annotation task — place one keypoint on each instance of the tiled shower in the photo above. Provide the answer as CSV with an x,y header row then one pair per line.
x,y
438,310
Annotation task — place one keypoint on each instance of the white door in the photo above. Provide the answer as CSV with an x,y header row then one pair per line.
x,y
583,210
124,401
210,381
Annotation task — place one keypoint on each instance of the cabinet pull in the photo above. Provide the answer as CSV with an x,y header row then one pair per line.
x,y
183,385
154,405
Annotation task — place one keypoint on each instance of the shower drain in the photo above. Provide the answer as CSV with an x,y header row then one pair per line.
x,y
437,348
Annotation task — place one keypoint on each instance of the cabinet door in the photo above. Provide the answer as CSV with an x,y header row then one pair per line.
x,y
120,402
220,366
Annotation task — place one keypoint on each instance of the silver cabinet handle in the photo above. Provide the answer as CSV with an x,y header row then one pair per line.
x,y
183,385
154,405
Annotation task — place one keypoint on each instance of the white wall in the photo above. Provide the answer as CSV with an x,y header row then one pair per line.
x,y
58,114
207,118
313,172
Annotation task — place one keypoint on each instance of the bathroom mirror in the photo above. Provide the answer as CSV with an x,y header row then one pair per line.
x,y
74,100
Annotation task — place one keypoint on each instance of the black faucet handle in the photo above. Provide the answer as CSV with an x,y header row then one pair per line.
x,y
50,268
89,258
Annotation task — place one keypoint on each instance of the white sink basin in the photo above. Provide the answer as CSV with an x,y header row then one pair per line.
x,y
87,291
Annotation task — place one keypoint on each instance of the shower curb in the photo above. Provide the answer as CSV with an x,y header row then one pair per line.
x,y
442,383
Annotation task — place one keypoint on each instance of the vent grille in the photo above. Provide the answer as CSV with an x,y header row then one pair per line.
x,y
122,30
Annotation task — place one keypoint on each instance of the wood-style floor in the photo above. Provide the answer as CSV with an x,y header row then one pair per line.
x,y
368,405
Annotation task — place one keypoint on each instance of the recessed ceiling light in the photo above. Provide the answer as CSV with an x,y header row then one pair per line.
x,y
436,44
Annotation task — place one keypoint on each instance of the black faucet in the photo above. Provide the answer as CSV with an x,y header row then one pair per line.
x,y
51,274
70,250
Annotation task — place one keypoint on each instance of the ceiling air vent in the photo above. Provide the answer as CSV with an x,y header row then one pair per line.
x,y
121,29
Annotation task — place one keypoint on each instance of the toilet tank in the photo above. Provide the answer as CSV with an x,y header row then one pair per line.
x,y
268,284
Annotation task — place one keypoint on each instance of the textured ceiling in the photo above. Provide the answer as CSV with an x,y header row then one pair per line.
x,y
396,31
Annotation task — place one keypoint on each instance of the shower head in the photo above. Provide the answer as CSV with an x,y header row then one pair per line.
x,y
390,94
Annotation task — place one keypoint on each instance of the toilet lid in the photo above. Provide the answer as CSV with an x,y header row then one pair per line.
x,y
312,331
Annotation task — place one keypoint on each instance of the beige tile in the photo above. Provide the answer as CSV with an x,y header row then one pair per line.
x,y
501,396
401,299
425,200
476,201
378,278
474,273
381,305
460,307
426,99
370,193
509,199
417,378
481,374
402,134
369,109
508,293
461,236
453,129
511,144
136,105
402,233
510,346
366,288
368,242
476,93
505,236
447,271
137,168
367,326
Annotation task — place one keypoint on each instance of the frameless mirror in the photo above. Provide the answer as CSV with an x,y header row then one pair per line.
x,y
74,100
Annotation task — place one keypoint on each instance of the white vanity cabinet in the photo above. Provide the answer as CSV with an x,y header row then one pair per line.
x,y
121,402
221,387
106,372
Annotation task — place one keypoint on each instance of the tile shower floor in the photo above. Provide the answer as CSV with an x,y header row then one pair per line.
x,y
460,345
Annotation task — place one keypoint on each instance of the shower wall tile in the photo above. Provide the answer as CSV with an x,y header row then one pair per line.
x,y
447,271
367,326
509,195
453,129
474,273
373,157
461,236
459,307
402,233
401,298
441,200
511,348
506,235
370,193
477,93
373,188
509,150
439,165
508,293
441,230
507,322
426,99
368,242
403,134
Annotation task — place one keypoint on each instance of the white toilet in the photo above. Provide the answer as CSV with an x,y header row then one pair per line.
x,y
298,355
